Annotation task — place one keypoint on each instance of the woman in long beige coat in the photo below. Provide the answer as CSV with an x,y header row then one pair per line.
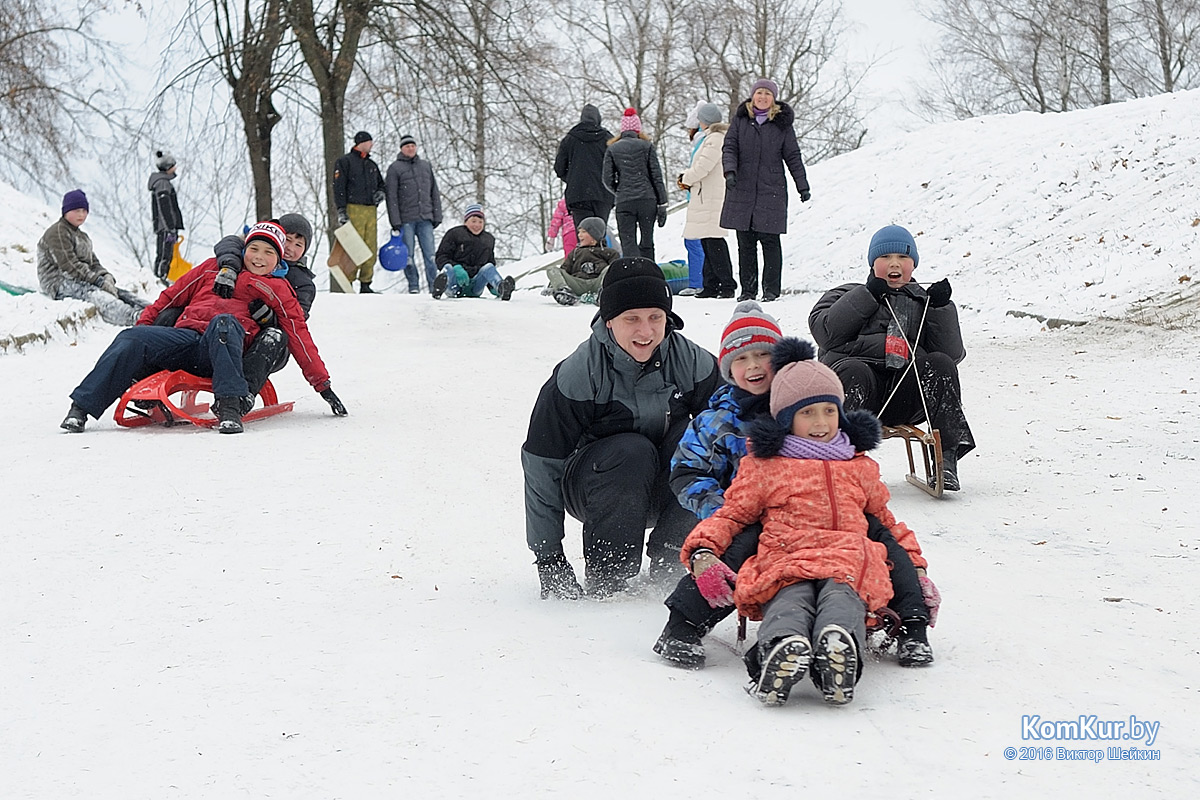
x,y
705,180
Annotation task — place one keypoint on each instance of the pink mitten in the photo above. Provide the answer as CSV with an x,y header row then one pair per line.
x,y
933,598
716,584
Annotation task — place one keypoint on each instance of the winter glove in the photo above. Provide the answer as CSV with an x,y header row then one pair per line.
x,y
933,598
343,217
108,284
939,293
171,238
662,215
730,180
261,313
224,282
379,196
395,232
339,410
877,286
713,578
805,195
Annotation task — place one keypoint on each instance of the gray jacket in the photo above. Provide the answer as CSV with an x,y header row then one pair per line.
x,y
600,391
64,251
632,172
412,192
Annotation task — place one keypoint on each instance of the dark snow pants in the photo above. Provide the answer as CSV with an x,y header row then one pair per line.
x,y
772,272
582,209
617,487
145,349
868,386
633,217
718,269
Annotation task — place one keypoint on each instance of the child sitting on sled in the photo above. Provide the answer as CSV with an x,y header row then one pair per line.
x,y
815,573
208,338
581,275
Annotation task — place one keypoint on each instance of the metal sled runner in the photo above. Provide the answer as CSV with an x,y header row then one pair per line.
x,y
148,402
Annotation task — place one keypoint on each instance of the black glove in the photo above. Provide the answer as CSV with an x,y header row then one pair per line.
x,y
395,232
225,281
939,293
805,196
339,410
343,217
379,196
662,216
261,313
730,180
877,286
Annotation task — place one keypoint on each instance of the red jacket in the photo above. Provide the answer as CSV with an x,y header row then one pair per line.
x,y
813,528
200,305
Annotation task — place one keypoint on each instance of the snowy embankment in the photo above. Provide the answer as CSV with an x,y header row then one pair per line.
x,y
325,608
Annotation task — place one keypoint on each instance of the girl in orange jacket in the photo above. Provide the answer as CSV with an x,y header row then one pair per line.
x,y
816,573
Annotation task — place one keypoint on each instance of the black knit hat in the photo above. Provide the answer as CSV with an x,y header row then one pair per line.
x,y
362,136
635,283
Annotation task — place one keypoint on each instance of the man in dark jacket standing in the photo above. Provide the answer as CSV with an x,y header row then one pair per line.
x,y
579,163
414,207
165,213
602,434
357,190
868,333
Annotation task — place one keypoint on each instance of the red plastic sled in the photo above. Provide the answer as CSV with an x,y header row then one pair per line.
x,y
152,404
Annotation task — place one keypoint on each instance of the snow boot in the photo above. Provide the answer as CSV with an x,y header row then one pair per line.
x,y
835,665
679,644
229,414
439,284
912,647
75,420
558,578
506,287
364,287
782,669
950,471
565,297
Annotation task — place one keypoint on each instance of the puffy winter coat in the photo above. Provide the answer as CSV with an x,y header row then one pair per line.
x,y
848,322
471,252
580,160
200,305
589,262
356,180
707,179
164,205
65,251
632,171
412,192
756,154
813,528
600,391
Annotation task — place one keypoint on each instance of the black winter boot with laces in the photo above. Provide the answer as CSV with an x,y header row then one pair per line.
x,y
912,644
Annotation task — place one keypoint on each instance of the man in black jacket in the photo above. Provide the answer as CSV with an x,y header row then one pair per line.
x,y
579,163
357,189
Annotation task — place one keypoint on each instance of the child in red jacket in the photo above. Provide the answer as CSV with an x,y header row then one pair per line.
x,y
815,574
208,337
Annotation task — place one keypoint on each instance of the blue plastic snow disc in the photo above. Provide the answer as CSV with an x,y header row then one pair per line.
x,y
393,256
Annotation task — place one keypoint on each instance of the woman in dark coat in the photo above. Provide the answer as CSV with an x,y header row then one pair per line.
x,y
760,141
634,176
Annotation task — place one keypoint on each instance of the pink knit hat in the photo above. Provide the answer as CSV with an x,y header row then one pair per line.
x,y
630,121
800,381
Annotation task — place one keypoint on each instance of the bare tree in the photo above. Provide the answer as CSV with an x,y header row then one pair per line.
x,y
329,41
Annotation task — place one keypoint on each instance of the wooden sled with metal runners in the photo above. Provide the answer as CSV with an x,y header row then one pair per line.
x,y
149,402
930,443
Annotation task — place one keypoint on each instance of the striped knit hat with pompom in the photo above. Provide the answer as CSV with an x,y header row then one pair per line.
x,y
750,328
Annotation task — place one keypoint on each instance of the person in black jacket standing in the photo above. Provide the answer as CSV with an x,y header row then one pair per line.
x,y
759,143
164,210
579,163
632,173
357,189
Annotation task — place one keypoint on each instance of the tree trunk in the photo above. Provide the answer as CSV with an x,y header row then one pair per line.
x,y
1163,42
1104,34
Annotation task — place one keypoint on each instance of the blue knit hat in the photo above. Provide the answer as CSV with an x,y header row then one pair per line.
x,y
474,210
74,199
892,239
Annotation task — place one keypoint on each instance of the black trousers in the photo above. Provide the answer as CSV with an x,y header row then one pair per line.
x,y
164,251
868,386
267,353
634,218
617,487
581,210
772,273
717,273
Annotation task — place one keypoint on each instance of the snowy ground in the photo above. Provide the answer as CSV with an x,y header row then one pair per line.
x,y
345,608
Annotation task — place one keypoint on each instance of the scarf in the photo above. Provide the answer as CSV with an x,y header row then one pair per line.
x,y
836,449
905,309
760,114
